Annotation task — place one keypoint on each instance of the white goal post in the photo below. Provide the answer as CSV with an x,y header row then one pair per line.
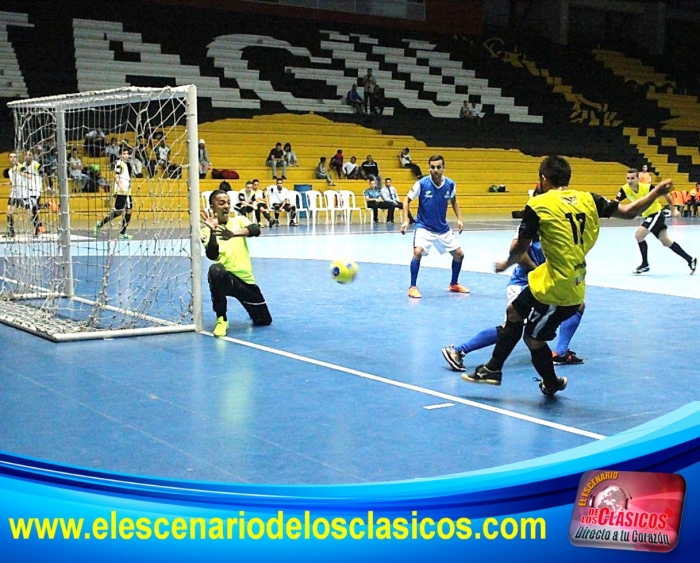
x,y
94,247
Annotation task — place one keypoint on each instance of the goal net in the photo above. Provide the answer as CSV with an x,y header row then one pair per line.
x,y
102,235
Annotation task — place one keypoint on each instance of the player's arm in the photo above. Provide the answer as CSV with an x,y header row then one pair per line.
x,y
621,195
412,194
526,234
525,262
631,210
455,208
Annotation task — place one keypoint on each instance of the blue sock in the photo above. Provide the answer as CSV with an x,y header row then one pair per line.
x,y
456,268
566,333
415,266
485,338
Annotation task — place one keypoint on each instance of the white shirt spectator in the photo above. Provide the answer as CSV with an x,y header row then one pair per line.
x,y
349,167
278,196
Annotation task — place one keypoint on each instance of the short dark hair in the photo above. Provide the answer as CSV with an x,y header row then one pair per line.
x,y
254,180
387,180
212,195
633,171
436,157
557,170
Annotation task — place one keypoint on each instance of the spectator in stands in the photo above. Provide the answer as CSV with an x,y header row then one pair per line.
x,y
351,169
390,196
470,112
322,173
136,165
162,154
94,145
280,201
354,99
378,101
275,159
337,163
693,201
204,163
370,170
75,169
369,82
290,156
644,176
374,201
113,151
249,200
406,162
141,154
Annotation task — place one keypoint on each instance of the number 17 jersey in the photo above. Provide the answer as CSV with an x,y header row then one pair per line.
x,y
568,222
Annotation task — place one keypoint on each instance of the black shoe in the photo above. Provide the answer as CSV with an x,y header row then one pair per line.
x,y
568,359
482,374
549,391
641,269
293,224
453,357
692,265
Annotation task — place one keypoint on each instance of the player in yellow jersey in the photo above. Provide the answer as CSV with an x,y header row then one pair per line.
x,y
653,222
567,222
224,237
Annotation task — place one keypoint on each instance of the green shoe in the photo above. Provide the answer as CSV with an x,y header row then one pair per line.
x,y
221,327
97,228
124,236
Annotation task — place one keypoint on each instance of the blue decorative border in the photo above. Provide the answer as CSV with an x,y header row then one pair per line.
x,y
544,487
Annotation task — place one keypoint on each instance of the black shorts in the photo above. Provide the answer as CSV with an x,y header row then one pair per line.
x,y
655,223
123,202
542,320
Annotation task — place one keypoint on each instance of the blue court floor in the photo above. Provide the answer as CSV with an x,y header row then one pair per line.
x,y
348,384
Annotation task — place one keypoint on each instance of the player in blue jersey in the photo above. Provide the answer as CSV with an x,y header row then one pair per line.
x,y
518,281
433,193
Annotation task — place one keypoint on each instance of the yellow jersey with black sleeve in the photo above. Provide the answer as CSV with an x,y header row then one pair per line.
x,y
233,253
642,189
568,224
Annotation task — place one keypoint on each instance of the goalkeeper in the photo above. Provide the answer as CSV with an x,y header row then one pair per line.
x,y
123,204
232,274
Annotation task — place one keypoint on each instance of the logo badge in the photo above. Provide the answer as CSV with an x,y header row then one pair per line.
x,y
628,510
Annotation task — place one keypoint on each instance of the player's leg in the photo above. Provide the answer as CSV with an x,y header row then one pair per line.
x,y
562,354
422,243
10,219
639,235
665,239
128,206
542,324
457,259
250,296
219,287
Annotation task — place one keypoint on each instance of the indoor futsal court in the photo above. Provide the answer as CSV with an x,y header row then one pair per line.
x,y
348,384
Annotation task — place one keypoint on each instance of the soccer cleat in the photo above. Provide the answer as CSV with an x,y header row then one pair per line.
x,y
124,236
641,269
40,230
293,224
549,391
458,288
692,265
221,327
413,292
568,359
97,228
52,206
453,357
482,374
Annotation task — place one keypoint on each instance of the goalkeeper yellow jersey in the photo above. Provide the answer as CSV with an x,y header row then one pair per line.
x,y
233,253
642,189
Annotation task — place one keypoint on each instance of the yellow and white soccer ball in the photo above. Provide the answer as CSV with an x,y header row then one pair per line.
x,y
344,271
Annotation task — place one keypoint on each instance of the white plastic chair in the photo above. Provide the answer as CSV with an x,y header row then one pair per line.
x,y
332,200
298,201
348,205
204,203
315,204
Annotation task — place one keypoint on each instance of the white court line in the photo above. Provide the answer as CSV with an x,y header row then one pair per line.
x,y
416,388
440,406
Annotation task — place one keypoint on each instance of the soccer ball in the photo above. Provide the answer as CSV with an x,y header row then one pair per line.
x,y
344,271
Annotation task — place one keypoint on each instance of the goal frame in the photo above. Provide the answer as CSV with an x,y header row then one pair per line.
x,y
14,313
